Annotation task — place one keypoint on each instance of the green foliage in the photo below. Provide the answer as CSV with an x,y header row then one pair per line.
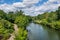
x,y
22,21
10,17
5,28
22,34
50,19
57,25
18,13
44,22
2,14
58,13
7,21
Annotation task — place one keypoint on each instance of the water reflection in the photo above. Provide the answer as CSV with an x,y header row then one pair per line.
x,y
37,32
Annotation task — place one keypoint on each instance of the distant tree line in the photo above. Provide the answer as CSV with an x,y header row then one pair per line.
x,y
49,19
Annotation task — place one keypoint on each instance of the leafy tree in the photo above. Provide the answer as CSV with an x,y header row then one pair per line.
x,y
11,17
2,14
18,13
5,28
58,13
22,21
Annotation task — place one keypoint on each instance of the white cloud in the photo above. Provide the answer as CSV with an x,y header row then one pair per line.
x,y
30,2
29,7
18,4
48,6
7,7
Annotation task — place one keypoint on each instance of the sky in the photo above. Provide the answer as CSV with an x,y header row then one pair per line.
x,y
30,7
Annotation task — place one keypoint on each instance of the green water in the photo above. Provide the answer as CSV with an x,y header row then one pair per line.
x,y
38,32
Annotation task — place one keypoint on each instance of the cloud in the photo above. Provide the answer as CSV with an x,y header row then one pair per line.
x,y
18,4
48,6
29,7
30,2
7,7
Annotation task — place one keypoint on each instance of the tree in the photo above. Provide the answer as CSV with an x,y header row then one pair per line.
x,y
58,13
2,14
22,21
18,13
11,17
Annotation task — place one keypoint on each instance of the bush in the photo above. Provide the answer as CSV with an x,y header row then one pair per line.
x,y
22,34
22,21
5,28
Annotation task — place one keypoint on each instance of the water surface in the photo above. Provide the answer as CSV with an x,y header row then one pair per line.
x,y
38,32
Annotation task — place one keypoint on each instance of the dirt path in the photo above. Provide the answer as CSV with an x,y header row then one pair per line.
x,y
12,35
16,28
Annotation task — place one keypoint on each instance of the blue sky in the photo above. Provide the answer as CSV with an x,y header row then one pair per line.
x,y
41,2
30,7
10,1
13,1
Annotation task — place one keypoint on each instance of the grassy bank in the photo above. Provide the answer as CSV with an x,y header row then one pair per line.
x,y
53,24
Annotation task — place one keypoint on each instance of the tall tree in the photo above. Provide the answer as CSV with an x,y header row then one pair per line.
x,y
58,13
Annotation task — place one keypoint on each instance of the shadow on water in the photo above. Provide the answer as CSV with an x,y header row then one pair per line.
x,y
38,32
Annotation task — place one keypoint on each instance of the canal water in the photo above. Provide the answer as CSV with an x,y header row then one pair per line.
x,y
39,32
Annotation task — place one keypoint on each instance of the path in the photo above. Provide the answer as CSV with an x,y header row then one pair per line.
x,y
12,35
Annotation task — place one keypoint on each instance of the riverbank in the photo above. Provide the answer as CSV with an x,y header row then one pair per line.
x,y
49,19
39,32
54,24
